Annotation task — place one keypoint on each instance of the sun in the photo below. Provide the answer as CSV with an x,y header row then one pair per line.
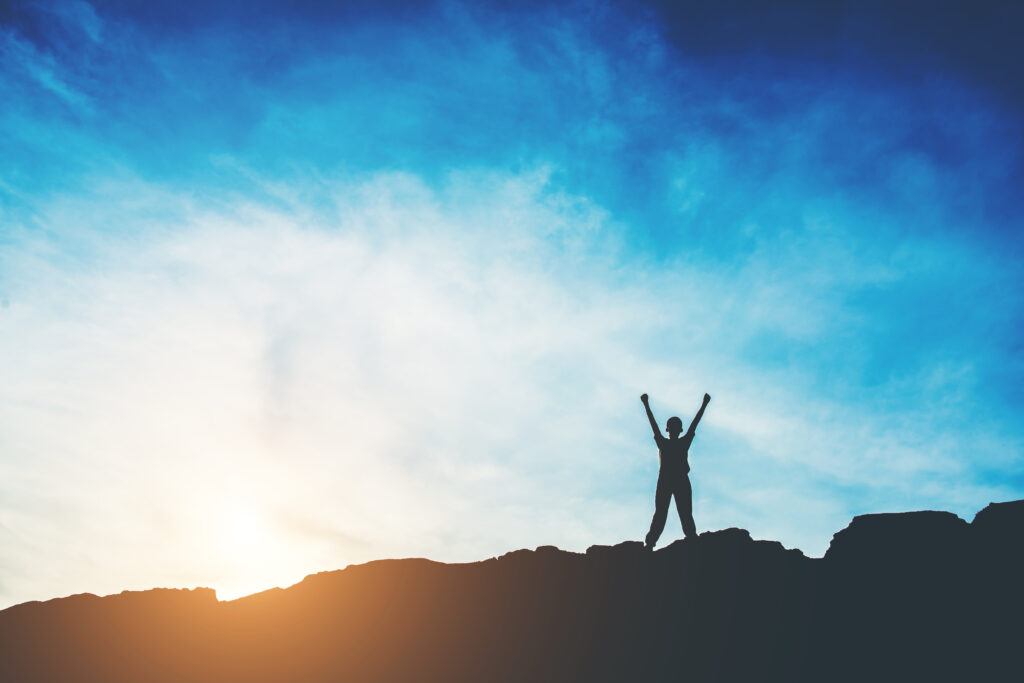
x,y
246,531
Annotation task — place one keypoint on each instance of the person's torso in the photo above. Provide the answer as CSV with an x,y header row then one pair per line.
x,y
674,453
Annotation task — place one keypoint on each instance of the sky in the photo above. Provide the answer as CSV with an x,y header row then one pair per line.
x,y
287,286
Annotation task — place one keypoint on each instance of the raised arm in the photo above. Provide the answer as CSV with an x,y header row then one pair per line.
x,y
650,415
699,415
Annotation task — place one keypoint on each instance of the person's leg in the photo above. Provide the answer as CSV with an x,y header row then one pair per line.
x,y
684,505
662,496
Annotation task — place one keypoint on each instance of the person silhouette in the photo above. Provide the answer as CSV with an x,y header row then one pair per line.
x,y
673,474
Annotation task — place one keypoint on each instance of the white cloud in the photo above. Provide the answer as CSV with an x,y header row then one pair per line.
x,y
240,395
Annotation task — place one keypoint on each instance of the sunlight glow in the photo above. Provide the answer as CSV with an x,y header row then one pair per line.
x,y
248,551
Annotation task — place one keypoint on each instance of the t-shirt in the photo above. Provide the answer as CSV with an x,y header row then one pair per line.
x,y
673,453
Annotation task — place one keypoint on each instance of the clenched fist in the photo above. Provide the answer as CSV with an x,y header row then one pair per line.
x,y
707,398
643,397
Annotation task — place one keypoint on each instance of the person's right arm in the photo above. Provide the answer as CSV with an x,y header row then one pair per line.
x,y
650,416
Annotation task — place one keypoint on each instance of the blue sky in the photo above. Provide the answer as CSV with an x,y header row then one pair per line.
x,y
286,287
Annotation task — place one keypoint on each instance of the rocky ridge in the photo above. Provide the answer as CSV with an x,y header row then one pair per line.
x,y
917,596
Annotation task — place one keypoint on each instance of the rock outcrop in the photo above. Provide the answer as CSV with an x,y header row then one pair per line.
x,y
921,596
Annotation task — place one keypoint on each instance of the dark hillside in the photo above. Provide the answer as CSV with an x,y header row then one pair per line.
x,y
919,596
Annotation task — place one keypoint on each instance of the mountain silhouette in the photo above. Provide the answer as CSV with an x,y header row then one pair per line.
x,y
915,596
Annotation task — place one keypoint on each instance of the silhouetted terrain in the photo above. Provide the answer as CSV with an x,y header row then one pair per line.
x,y
919,596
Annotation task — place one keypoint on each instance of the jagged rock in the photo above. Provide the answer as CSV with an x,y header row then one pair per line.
x,y
548,549
626,549
1001,520
907,536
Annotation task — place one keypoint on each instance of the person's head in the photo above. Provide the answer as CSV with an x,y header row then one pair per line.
x,y
674,426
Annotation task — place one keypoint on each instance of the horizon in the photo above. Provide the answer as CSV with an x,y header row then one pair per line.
x,y
285,288
617,547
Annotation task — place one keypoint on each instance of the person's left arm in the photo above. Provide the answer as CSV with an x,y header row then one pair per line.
x,y
700,413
